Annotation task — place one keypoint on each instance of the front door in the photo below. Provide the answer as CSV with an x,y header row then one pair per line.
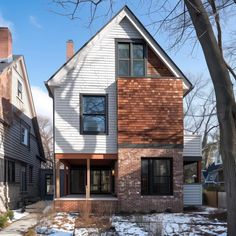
x,y
100,180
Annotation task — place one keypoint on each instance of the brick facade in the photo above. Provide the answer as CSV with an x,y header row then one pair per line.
x,y
97,206
129,181
150,111
5,43
155,66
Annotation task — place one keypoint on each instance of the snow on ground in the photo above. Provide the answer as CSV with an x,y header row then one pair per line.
x,y
62,224
18,215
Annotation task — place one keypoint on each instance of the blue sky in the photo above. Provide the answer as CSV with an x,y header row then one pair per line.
x,y
40,35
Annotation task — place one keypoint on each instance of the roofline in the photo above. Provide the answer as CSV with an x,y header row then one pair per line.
x,y
146,31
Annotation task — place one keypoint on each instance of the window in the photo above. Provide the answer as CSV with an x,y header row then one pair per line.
x,y
24,135
49,184
131,59
23,182
30,174
94,114
19,90
156,176
9,171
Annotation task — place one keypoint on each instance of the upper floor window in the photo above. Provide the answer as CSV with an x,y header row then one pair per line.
x,y
93,114
131,59
156,176
24,135
19,90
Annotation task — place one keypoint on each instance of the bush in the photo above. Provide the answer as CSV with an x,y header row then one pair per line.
x,y
3,220
10,214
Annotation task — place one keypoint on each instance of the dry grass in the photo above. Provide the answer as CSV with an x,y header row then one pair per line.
x,y
30,232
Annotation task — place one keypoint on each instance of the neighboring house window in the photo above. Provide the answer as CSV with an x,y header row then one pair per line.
x,y
131,59
156,176
10,171
24,135
23,182
93,114
30,174
19,90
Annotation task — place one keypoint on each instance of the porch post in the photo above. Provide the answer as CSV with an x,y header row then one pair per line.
x,y
57,178
88,179
65,179
199,171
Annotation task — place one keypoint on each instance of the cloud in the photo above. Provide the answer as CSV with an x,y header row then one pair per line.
x,y
7,23
33,20
42,102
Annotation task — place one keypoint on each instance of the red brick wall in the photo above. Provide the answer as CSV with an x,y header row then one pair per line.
x,y
155,66
129,181
5,43
150,111
97,206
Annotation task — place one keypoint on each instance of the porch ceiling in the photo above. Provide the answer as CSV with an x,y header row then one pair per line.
x,y
83,162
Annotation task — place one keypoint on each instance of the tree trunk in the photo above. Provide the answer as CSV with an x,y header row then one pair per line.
x,y
226,107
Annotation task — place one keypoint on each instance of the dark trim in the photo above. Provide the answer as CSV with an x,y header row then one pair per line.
x,y
82,132
131,42
151,145
192,158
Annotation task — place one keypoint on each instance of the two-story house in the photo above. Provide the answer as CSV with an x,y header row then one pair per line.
x,y
118,122
21,150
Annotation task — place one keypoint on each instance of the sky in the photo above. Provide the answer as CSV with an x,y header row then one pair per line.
x,y
40,34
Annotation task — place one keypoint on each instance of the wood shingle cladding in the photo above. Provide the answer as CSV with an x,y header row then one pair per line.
x,y
150,111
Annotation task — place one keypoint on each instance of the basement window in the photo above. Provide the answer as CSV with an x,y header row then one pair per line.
x,y
93,118
156,176
131,59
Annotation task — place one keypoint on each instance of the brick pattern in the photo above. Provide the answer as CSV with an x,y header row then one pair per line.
x,y
5,43
129,181
150,111
97,206
155,66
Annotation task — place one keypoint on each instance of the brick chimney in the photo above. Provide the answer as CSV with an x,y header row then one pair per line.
x,y
5,45
69,49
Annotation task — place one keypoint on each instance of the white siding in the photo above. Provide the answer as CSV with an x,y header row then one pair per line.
x,y
192,145
192,194
94,73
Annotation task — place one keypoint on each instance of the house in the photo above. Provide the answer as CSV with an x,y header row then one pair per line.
x,y
21,150
118,122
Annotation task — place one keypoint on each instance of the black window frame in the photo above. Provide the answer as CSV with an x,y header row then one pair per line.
x,y
131,42
19,90
9,175
105,114
31,171
27,127
151,177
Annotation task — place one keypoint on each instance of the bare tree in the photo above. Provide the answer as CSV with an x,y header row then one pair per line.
x,y
46,132
183,20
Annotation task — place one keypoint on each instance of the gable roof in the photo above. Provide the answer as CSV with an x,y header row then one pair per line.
x,y
124,12
4,66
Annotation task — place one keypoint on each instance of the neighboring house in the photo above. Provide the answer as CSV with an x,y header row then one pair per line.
x,y
214,174
20,143
118,122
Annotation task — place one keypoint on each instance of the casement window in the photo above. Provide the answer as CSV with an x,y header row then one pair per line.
x,y
23,179
24,139
156,176
131,59
10,170
93,116
19,90
30,174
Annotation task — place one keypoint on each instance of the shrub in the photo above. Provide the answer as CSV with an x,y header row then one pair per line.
x,y
10,214
3,220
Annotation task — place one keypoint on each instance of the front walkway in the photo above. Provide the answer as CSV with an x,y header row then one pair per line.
x,y
19,227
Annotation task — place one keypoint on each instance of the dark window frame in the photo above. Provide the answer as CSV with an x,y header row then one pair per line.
x,y
82,114
27,127
151,177
31,171
131,59
10,175
19,90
